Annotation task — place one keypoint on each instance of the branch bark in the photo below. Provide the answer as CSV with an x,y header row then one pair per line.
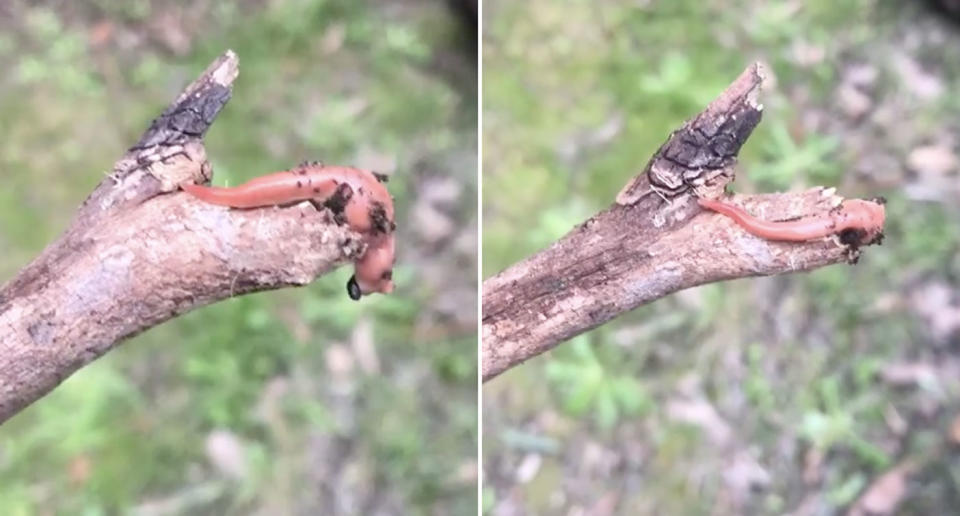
x,y
653,241
140,252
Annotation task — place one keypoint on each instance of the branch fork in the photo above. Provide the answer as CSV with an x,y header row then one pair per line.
x,y
654,240
139,252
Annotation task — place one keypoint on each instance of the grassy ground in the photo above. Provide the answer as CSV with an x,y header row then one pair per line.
x,y
290,402
785,395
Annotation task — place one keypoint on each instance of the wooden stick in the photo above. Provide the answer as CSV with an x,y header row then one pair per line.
x,y
140,252
653,241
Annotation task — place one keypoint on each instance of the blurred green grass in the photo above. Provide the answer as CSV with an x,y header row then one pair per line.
x,y
784,370
315,426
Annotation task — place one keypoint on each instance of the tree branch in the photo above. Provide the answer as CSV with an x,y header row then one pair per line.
x,y
653,241
140,252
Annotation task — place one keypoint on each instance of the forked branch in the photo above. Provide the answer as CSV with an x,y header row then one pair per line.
x,y
653,241
140,252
